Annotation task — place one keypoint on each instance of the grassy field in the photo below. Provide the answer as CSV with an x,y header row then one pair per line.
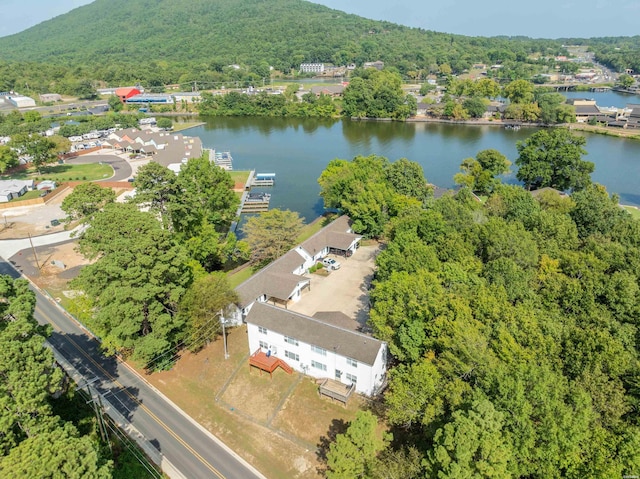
x,y
239,176
65,172
186,125
29,195
237,278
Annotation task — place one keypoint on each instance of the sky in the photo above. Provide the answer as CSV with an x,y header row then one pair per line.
x,y
537,19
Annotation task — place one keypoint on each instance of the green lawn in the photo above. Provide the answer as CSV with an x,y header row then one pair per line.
x,y
633,211
66,172
239,176
239,277
29,195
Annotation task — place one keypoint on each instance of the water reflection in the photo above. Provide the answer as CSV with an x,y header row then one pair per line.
x,y
298,150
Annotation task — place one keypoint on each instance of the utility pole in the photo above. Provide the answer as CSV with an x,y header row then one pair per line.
x,y
224,335
97,409
34,251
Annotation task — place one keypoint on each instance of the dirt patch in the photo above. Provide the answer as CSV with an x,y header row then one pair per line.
x,y
310,417
257,394
58,264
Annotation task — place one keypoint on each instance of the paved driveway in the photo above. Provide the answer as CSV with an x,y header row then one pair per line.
x,y
345,290
121,168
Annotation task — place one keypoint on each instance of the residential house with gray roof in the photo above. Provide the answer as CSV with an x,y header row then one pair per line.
x,y
325,346
317,348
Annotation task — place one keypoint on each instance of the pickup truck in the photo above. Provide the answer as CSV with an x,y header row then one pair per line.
x,y
330,264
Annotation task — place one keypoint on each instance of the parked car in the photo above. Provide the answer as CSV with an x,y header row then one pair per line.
x,y
330,264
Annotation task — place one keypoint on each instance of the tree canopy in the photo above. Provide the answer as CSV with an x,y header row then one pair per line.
x,y
377,94
136,282
33,441
86,199
512,325
553,158
271,234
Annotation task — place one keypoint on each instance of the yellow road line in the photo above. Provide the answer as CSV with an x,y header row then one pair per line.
x,y
135,399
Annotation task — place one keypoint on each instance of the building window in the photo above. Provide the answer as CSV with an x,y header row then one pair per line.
x,y
262,330
289,340
351,378
290,355
264,345
317,365
320,351
352,362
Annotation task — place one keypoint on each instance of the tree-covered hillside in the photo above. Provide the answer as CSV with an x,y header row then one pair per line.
x,y
170,41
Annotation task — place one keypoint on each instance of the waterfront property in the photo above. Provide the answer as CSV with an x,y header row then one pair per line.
x,y
318,348
282,281
165,148
323,346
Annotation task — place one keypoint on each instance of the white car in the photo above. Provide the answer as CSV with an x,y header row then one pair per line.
x,y
330,264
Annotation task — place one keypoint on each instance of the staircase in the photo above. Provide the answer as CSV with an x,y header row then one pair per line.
x,y
285,367
268,363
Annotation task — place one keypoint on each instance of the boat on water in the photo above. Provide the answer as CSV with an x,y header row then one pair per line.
x,y
258,197
512,127
223,159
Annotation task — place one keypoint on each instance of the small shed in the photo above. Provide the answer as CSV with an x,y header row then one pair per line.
x,y
46,185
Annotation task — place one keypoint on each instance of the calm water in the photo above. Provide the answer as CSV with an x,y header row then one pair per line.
x,y
609,98
298,150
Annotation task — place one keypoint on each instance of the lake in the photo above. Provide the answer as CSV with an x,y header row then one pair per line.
x,y
299,150
608,98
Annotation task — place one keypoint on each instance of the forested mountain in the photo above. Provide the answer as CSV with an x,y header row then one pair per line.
x,y
170,41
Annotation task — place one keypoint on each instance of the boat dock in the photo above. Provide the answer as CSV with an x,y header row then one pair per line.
x,y
264,179
223,159
255,202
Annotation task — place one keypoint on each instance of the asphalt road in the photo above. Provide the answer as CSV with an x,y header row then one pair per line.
x,y
121,168
192,451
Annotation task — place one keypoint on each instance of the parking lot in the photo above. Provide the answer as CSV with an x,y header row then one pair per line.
x,y
345,289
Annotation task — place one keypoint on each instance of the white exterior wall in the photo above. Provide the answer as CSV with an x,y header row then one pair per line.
x,y
368,377
22,101
312,67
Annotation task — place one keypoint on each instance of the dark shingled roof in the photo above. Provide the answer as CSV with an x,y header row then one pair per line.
x,y
347,343
274,279
337,318
586,110
333,235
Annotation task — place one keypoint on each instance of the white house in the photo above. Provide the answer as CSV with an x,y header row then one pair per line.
x,y
325,346
10,189
283,281
318,348
47,185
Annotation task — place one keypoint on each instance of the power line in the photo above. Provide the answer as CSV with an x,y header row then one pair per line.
x,y
183,344
132,448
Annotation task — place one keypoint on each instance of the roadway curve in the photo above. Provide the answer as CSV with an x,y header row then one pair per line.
x,y
121,168
191,450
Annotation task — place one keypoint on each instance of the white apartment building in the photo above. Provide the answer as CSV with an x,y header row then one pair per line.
x,y
312,67
318,348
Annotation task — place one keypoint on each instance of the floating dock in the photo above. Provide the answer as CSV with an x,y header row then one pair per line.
x,y
223,159
255,202
264,179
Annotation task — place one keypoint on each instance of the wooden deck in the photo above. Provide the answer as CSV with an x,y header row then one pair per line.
x,y
336,390
266,363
